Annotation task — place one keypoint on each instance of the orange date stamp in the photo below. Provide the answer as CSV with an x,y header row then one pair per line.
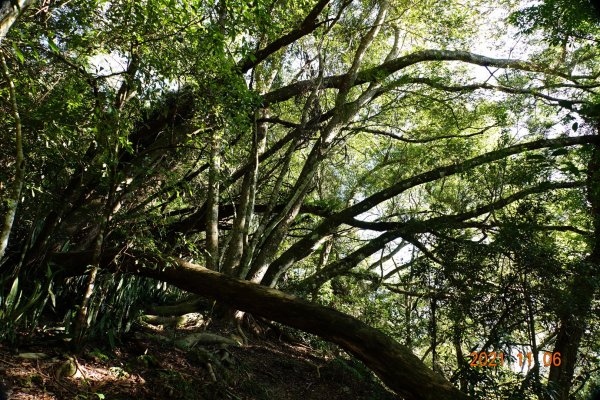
x,y
496,359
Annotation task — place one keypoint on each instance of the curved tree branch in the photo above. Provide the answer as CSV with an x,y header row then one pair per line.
x,y
381,72
394,363
9,12
303,247
408,229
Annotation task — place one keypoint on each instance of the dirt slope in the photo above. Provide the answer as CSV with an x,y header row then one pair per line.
x,y
144,368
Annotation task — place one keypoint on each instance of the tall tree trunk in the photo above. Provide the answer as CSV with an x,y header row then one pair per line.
x,y
259,233
532,379
574,316
323,258
212,216
461,364
234,259
17,185
235,247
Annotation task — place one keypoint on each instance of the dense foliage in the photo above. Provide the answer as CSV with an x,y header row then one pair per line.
x,y
430,168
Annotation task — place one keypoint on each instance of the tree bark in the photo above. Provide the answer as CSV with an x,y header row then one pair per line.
x,y
9,12
17,185
394,363
212,216
382,71
239,249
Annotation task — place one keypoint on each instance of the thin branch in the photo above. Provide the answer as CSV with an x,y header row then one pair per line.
x,y
426,140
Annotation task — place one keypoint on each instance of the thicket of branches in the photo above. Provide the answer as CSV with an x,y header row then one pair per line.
x,y
430,169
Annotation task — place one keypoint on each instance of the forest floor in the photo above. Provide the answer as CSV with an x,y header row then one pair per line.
x,y
141,367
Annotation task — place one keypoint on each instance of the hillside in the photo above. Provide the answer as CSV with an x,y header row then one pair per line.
x,y
144,368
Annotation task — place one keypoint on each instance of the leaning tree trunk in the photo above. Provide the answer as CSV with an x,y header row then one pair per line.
x,y
394,363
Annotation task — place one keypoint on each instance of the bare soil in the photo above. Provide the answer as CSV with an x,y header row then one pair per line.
x,y
140,368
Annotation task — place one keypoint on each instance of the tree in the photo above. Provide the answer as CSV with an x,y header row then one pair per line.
x,y
9,12
255,138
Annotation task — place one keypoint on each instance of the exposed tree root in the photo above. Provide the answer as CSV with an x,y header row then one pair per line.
x,y
186,320
192,304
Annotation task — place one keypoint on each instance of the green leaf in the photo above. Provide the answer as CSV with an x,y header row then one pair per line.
x,y
52,296
33,300
53,46
18,53
11,300
570,167
575,126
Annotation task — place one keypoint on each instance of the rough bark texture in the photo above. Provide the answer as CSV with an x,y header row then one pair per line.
x,y
395,364
17,185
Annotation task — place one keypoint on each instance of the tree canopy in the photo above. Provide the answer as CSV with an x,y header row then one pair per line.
x,y
416,182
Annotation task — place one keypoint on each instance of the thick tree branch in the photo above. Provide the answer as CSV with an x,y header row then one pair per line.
x,y
308,25
486,86
381,72
531,227
9,12
417,226
394,363
421,141
303,247
345,264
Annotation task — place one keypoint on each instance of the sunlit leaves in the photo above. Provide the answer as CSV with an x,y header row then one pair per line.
x,y
563,18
